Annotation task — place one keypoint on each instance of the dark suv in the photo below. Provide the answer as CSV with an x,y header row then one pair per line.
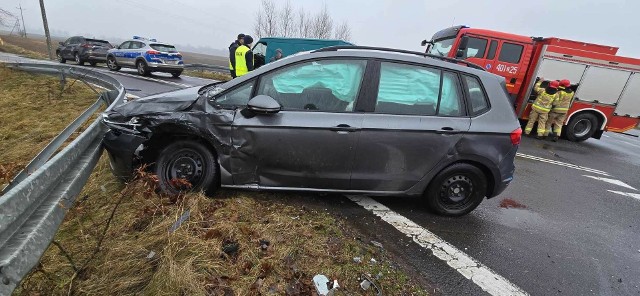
x,y
81,50
341,119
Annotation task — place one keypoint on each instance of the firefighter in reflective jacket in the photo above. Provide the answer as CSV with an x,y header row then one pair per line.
x,y
559,110
244,57
541,106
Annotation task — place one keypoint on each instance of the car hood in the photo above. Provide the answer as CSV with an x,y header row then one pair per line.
x,y
160,103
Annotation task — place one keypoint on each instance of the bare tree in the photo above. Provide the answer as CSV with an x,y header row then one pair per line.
x,y
287,20
304,24
266,20
322,24
258,26
343,32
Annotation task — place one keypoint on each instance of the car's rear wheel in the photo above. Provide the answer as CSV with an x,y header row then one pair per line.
x,y
142,68
111,64
79,60
457,190
61,60
188,161
581,127
176,74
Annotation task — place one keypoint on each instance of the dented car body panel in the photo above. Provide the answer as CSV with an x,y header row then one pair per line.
x,y
358,150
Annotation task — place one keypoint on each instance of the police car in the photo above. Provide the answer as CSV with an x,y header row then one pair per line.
x,y
146,55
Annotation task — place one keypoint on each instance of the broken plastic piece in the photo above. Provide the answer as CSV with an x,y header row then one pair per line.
x,y
373,261
377,244
181,220
151,255
321,282
357,259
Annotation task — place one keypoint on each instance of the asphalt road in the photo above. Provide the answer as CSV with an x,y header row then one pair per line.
x,y
575,230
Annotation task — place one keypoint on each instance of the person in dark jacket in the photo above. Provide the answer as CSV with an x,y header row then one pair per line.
x,y
232,53
277,56
244,57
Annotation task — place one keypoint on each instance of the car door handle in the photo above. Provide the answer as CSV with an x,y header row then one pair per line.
x,y
343,128
448,130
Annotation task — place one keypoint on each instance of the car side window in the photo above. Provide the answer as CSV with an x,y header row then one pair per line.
x,y
321,85
236,97
477,98
125,45
417,90
492,50
135,45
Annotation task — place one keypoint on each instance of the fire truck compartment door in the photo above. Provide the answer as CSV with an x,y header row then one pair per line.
x,y
602,84
558,70
629,103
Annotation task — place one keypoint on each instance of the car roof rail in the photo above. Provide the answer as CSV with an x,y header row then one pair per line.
x,y
446,59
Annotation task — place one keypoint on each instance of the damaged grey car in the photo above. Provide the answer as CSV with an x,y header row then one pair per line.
x,y
341,119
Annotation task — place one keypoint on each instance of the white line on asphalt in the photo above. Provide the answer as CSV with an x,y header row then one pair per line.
x,y
634,195
144,78
481,275
612,181
560,163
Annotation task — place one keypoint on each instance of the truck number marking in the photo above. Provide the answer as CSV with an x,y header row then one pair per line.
x,y
508,69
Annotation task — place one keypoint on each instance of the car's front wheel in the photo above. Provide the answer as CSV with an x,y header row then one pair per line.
x,y
112,64
186,166
79,60
457,190
61,60
176,74
142,68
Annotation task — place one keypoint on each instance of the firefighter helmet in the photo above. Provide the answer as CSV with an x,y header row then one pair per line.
x,y
565,82
554,84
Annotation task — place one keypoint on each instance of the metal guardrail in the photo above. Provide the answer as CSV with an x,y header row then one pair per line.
x,y
207,67
37,200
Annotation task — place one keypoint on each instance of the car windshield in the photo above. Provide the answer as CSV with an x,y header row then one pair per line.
x,y
441,47
164,47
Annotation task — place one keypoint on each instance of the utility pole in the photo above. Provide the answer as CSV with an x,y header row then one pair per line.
x,y
46,28
24,27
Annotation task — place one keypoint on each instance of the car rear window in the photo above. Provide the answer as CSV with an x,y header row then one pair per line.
x,y
99,42
164,47
477,98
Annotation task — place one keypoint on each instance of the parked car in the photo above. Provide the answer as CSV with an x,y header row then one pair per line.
x,y
82,50
146,56
364,120
266,47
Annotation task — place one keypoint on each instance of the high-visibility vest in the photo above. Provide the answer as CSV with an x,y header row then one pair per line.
x,y
241,60
562,104
544,101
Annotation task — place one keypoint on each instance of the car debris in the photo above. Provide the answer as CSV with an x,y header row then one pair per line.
x,y
357,259
367,283
377,244
325,287
180,220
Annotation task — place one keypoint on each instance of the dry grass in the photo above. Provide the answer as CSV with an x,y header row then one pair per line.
x,y
34,110
208,74
141,256
10,47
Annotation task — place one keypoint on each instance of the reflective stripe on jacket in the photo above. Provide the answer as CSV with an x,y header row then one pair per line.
x,y
544,101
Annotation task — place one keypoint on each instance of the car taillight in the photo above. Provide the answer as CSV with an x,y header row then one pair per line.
x,y
516,136
153,52
86,45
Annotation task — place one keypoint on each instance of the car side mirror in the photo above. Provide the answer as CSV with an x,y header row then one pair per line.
x,y
61,43
263,104
423,43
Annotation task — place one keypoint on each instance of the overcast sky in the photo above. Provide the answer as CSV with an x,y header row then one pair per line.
x,y
400,24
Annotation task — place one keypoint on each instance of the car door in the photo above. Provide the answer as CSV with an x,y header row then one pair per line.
x,y
509,64
310,143
133,52
121,51
67,51
416,121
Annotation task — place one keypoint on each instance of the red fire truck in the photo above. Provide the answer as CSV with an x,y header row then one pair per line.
x,y
607,86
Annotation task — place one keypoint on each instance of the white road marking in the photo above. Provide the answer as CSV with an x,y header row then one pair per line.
x,y
634,195
612,181
573,166
481,275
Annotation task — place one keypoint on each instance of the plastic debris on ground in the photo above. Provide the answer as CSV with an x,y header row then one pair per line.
x,y
325,287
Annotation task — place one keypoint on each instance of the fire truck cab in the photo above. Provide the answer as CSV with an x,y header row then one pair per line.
x,y
607,86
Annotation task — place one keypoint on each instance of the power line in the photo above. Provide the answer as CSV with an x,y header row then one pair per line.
x,y
24,26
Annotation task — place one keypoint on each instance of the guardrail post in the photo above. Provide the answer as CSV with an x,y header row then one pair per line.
x,y
63,80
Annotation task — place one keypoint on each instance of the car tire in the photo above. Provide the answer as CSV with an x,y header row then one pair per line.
x,y
581,127
61,60
142,68
112,64
79,60
190,160
457,190
93,64
176,74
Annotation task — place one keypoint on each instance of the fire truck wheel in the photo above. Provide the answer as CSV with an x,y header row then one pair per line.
x,y
581,127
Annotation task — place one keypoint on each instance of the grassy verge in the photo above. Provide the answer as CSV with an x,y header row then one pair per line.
x,y
208,75
239,243
10,48
34,110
